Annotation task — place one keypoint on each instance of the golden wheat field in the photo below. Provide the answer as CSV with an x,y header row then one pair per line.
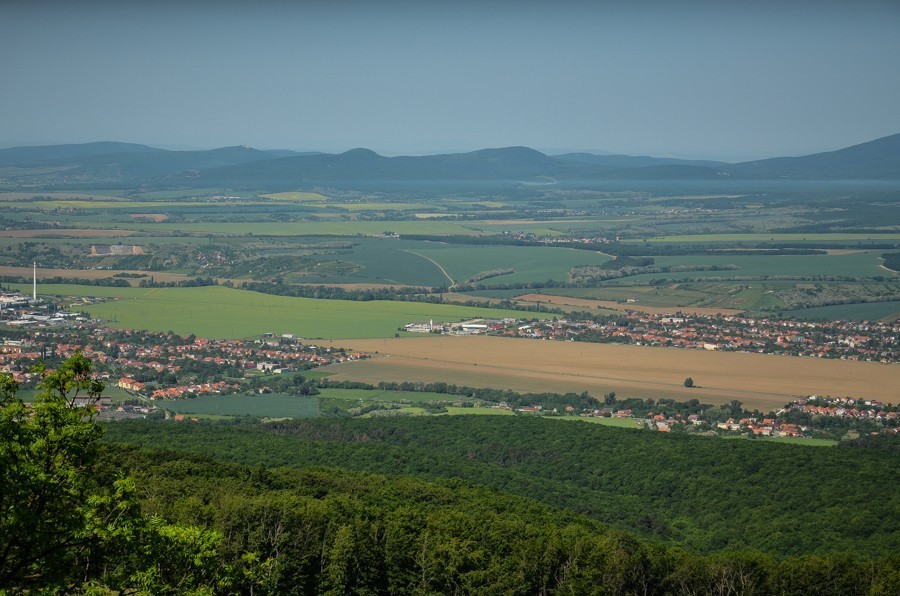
x,y
760,381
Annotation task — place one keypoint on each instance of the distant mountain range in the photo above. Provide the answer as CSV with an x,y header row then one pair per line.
x,y
130,163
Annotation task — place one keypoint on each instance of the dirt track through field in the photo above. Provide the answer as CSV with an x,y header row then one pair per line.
x,y
760,381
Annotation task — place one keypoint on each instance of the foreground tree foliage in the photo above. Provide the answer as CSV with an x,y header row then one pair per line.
x,y
65,529
73,522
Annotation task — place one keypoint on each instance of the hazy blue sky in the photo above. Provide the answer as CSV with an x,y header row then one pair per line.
x,y
728,79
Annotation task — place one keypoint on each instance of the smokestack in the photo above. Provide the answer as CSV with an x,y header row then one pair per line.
x,y
34,292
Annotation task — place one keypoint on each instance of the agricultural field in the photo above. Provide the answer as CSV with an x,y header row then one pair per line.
x,y
617,422
435,264
220,312
386,396
111,390
857,264
610,307
93,274
804,441
67,232
336,227
268,406
305,259
862,239
527,263
778,298
872,311
477,411
42,196
759,381
296,196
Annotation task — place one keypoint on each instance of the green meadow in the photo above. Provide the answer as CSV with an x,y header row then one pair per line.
x,y
477,411
804,441
111,390
295,196
337,227
220,312
617,422
867,311
269,405
857,264
386,396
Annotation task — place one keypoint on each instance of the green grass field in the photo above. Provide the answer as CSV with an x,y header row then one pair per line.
x,y
617,422
404,411
861,264
531,263
112,391
790,440
646,296
271,406
380,207
305,228
386,396
314,374
458,411
296,196
803,441
869,311
144,206
220,312
737,295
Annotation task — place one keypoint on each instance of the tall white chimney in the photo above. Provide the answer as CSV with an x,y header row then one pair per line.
x,y
34,292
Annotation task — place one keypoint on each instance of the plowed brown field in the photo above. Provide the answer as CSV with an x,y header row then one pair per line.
x,y
760,381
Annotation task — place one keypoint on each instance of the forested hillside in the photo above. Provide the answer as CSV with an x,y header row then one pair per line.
x,y
704,494
339,532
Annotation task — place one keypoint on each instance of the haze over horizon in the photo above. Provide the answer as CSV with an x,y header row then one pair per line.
x,y
695,79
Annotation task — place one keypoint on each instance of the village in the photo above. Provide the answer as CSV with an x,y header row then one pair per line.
x,y
845,340
150,364
812,416
153,366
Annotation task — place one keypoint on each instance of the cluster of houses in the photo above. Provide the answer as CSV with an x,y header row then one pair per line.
x,y
193,390
140,359
846,407
765,427
777,424
878,341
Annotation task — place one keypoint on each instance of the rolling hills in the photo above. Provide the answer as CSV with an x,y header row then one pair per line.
x,y
130,163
